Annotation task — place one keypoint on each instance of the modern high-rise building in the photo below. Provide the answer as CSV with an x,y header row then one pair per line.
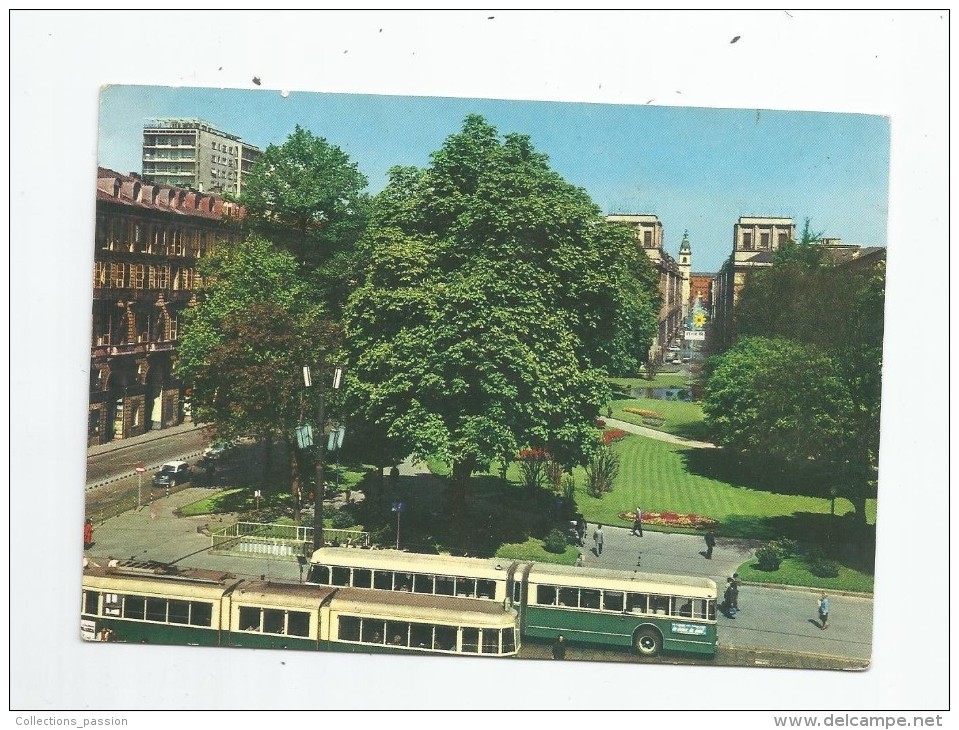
x,y
192,154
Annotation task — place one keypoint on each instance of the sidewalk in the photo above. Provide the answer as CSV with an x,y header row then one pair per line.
x,y
657,435
152,435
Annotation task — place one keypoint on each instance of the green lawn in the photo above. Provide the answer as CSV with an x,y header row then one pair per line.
x,y
682,417
794,571
532,549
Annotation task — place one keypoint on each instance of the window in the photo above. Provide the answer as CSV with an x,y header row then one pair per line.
x,y
636,602
421,636
91,600
659,604
111,604
764,240
485,589
320,574
509,641
491,641
546,595
403,582
398,633
445,586
135,607
466,587
298,623
647,239
612,601
569,597
249,618
445,638
783,238
349,628
117,275
179,612
156,609
201,614
137,275
372,631
163,276
589,598
273,621
341,577
383,580
99,274
362,578
747,241
470,641
422,583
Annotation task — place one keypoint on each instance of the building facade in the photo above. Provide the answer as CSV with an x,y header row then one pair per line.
x,y
648,233
148,240
195,155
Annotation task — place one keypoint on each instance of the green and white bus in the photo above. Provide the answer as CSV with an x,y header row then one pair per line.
x,y
646,611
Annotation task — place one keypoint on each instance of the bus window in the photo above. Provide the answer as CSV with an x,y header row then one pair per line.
x,y
569,597
272,621
362,578
349,627
422,583
90,599
320,574
298,623
686,609
659,604
398,633
517,592
372,631
546,595
711,610
156,609
636,602
509,643
588,598
403,582
383,580
249,618
466,587
445,586
340,577
485,589
491,641
445,638
134,607
613,601
179,612
421,636
201,614
470,641
111,604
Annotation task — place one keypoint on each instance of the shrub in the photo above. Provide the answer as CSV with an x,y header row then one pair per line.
x,y
771,555
341,520
824,567
601,471
533,465
555,542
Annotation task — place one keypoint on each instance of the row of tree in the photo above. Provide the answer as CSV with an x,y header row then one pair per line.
x,y
478,304
802,383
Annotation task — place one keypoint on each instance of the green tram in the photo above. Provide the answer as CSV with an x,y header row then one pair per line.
x,y
156,604
646,611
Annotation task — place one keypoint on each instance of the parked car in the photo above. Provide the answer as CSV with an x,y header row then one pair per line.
x,y
215,450
171,474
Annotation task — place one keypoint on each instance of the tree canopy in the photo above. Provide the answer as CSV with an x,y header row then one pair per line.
x,y
494,299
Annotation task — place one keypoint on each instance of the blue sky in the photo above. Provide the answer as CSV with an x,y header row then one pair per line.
x,y
697,169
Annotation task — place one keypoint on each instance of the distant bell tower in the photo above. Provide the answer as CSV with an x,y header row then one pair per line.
x,y
685,266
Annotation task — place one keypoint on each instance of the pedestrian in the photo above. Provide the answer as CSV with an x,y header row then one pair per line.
x,y
88,534
580,562
638,522
598,540
559,647
736,581
581,530
730,598
710,544
824,612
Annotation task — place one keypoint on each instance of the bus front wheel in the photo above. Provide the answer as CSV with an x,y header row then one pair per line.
x,y
648,642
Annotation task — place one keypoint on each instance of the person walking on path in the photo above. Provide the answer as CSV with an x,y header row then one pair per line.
x,y
734,583
731,598
824,612
88,534
638,522
598,540
710,544
559,647
580,562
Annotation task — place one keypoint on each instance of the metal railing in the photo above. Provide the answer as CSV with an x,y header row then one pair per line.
x,y
279,540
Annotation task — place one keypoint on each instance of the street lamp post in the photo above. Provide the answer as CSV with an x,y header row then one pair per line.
x,y
319,489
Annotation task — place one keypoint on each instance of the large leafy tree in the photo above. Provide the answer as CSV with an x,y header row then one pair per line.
x,y
307,197
494,299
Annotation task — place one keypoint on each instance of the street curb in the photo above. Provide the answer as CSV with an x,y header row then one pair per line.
x,y
806,589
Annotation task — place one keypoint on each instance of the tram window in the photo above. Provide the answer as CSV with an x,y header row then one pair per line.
x,y
636,602
470,641
422,583
517,592
362,578
320,574
711,610
589,598
421,636
298,623
398,633
111,604
372,631
201,614
445,638
466,587
546,595
340,577
491,641
179,612
272,621
486,589
383,580
90,600
156,609
612,601
509,643
403,582
349,628
249,618
134,607
569,597
445,586
659,604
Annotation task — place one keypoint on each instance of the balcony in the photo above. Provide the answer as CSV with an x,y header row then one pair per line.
x,y
135,348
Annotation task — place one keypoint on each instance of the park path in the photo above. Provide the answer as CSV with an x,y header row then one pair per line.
x,y
658,435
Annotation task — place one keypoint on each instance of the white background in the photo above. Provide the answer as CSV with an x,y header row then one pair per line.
x,y
894,64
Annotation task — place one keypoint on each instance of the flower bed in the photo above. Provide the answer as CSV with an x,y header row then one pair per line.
x,y
613,434
672,519
646,414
